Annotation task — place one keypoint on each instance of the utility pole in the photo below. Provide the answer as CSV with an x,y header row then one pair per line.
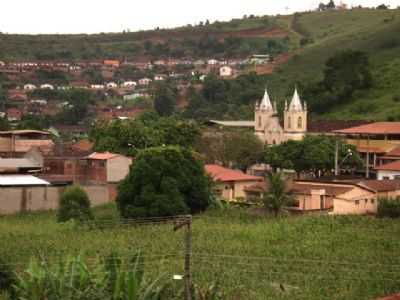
x,y
187,221
336,156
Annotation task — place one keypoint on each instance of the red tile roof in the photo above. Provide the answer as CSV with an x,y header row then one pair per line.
x,y
381,185
102,156
219,173
370,149
392,166
373,128
392,297
325,126
393,152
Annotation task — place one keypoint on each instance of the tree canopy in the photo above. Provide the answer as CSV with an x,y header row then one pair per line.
x,y
164,181
165,99
314,154
130,136
235,149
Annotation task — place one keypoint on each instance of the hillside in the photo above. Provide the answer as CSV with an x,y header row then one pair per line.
x,y
300,44
373,31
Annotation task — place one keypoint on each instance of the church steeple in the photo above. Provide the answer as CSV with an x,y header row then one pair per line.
x,y
266,103
295,104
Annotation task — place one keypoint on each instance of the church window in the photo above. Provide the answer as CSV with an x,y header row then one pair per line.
x,y
289,121
300,122
259,121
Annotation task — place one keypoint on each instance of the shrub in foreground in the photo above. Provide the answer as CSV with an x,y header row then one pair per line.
x,y
74,205
112,278
7,277
164,181
389,207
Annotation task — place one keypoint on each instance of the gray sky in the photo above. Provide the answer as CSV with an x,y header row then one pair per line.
x,y
91,16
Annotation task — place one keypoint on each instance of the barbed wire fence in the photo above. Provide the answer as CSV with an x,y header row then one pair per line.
x,y
272,274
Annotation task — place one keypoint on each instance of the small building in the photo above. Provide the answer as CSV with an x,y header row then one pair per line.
x,y
230,184
129,84
225,71
212,62
111,63
159,77
2,64
32,161
111,85
29,87
47,86
13,114
389,171
97,86
21,141
107,167
145,81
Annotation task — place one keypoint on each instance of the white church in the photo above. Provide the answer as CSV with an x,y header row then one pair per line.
x,y
268,127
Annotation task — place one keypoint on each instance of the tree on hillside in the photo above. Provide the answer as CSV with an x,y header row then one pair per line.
x,y
164,181
77,108
383,6
331,5
277,196
74,205
345,73
165,99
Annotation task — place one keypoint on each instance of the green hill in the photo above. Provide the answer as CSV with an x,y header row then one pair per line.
x,y
308,38
373,31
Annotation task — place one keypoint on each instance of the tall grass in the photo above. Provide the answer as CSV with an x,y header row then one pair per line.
x,y
250,256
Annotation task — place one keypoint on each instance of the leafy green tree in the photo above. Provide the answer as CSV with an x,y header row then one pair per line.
x,y
130,136
93,76
233,149
165,99
78,105
74,205
314,154
277,196
164,181
331,5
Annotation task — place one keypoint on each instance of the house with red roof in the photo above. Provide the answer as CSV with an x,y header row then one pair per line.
x,y
389,170
230,184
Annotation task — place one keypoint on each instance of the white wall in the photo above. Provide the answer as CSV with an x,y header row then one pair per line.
x,y
390,174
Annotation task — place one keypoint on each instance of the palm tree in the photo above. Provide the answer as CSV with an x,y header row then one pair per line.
x,y
276,197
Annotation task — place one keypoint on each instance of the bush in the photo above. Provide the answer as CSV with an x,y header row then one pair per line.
x,y
74,205
389,207
112,278
164,181
7,277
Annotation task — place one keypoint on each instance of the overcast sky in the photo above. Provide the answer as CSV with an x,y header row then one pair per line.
x,y
93,16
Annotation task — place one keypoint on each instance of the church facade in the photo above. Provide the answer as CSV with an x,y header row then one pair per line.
x,y
269,128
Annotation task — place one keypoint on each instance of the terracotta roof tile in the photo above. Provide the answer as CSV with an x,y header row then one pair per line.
x,y
392,166
381,185
393,152
102,156
222,174
373,128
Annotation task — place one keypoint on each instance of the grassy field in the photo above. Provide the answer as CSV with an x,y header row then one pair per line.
x,y
252,257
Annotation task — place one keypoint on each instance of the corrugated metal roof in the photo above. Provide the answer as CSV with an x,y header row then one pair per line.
x,y
21,180
233,123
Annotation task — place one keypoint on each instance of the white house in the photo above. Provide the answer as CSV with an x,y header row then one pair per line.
x,y
47,86
29,86
145,81
97,86
39,101
2,64
159,77
389,171
111,85
212,62
129,84
225,71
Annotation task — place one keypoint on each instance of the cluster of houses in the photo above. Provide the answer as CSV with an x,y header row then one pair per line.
x,y
34,171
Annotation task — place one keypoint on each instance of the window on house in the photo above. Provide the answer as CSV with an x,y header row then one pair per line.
x,y
366,201
386,178
357,202
300,122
